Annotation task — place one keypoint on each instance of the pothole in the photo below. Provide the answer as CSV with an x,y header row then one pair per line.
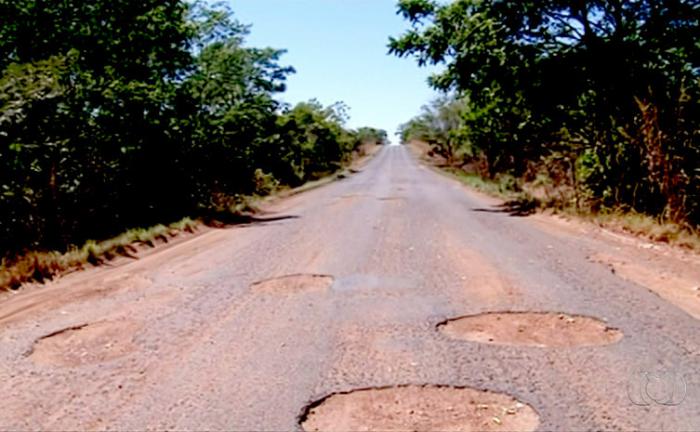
x,y
85,344
541,329
294,283
419,408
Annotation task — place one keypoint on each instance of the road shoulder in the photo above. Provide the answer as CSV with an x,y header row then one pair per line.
x,y
671,272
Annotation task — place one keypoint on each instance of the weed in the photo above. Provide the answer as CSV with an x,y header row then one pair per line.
x,y
520,202
42,266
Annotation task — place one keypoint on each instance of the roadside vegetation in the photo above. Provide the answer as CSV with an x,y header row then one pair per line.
x,y
119,114
588,107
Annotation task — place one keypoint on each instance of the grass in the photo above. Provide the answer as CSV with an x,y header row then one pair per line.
x,y
519,202
353,167
42,266
648,227
501,187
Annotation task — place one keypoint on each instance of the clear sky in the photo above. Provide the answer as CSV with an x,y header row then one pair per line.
x,y
339,50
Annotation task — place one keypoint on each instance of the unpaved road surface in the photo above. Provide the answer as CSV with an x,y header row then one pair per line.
x,y
252,327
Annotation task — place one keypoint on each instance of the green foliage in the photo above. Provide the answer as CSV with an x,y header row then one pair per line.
x,y
611,89
311,141
86,93
116,114
441,124
369,135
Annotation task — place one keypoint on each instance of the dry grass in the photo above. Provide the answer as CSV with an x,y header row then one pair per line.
x,y
358,160
648,227
502,187
521,202
42,266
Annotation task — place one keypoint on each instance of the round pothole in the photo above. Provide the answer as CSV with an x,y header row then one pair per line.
x,y
541,329
419,408
294,283
85,344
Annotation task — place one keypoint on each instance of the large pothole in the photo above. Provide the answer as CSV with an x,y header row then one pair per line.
x,y
85,344
419,408
294,284
541,329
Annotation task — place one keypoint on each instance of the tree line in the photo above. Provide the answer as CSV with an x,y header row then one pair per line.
x,y
124,113
599,100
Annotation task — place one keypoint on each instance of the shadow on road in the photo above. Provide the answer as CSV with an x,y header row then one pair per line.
x,y
518,207
244,219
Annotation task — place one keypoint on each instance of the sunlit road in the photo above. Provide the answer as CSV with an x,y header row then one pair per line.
x,y
185,339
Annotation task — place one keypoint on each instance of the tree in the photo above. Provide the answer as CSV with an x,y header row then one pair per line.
x,y
233,89
119,114
87,90
607,87
312,141
370,135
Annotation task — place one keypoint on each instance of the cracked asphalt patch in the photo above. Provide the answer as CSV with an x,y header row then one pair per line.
x,y
541,329
85,344
419,408
294,284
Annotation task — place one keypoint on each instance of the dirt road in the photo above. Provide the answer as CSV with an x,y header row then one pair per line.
x,y
274,324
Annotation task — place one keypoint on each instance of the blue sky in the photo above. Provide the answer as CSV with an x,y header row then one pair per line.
x,y
338,48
